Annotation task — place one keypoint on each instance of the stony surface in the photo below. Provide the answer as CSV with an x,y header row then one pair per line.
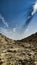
x,y
23,52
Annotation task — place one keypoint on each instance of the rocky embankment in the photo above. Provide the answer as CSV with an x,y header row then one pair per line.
x,y
23,52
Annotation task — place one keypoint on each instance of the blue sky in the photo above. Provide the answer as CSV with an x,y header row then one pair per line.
x,y
18,18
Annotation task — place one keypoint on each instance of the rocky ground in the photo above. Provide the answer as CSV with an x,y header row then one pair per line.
x,y
23,52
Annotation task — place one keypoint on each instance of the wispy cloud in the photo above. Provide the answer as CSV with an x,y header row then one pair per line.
x,y
9,33
34,8
13,34
14,30
3,20
31,12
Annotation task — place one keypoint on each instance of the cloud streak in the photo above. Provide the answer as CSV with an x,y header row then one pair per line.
x,y
34,8
3,20
30,15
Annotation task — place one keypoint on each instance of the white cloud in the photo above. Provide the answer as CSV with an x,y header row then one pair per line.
x,y
13,34
9,33
14,30
34,8
3,20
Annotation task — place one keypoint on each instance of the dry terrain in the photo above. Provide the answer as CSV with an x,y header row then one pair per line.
x,y
20,52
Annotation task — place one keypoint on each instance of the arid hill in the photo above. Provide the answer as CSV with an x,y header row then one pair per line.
x,y
20,52
31,38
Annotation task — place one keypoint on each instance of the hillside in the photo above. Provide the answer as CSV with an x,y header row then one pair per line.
x,y
20,52
31,38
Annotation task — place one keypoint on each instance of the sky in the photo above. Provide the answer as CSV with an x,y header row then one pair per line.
x,y
18,18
